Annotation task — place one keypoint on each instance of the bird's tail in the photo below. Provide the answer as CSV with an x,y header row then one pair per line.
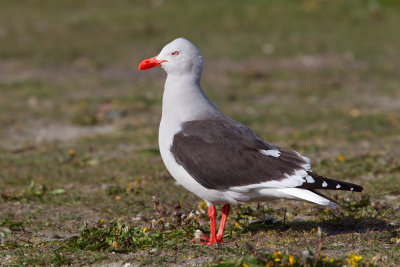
x,y
321,182
309,195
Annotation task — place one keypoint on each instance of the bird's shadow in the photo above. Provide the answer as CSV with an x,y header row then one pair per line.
x,y
341,225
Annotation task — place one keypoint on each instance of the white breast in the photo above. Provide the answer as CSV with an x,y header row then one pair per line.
x,y
165,138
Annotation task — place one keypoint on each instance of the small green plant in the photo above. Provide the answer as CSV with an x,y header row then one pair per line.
x,y
278,258
31,192
13,225
353,204
121,237
59,259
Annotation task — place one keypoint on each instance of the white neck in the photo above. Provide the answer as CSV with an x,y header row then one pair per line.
x,y
184,99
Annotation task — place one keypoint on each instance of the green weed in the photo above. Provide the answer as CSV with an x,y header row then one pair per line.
x,y
121,237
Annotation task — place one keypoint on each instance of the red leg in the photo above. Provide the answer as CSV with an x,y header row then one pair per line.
x,y
212,213
225,212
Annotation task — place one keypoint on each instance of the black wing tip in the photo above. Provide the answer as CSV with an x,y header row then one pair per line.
x,y
357,188
330,184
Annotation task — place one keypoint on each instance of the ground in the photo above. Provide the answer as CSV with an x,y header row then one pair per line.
x,y
81,178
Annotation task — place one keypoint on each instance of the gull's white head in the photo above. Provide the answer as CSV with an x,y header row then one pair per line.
x,y
178,57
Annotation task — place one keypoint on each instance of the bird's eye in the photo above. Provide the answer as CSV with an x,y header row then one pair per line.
x,y
175,53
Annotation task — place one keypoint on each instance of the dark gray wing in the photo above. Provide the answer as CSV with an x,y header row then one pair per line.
x,y
222,153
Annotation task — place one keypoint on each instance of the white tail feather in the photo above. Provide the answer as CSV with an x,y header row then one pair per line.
x,y
307,195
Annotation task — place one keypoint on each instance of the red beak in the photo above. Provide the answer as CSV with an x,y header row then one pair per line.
x,y
150,63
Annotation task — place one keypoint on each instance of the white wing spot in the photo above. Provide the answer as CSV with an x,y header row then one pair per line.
x,y
309,179
338,186
324,184
272,152
351,189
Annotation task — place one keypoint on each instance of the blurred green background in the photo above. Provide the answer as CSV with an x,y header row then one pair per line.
x,y
48,33
78,140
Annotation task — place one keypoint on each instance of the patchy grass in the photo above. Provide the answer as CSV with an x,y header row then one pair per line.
x,y
81,179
